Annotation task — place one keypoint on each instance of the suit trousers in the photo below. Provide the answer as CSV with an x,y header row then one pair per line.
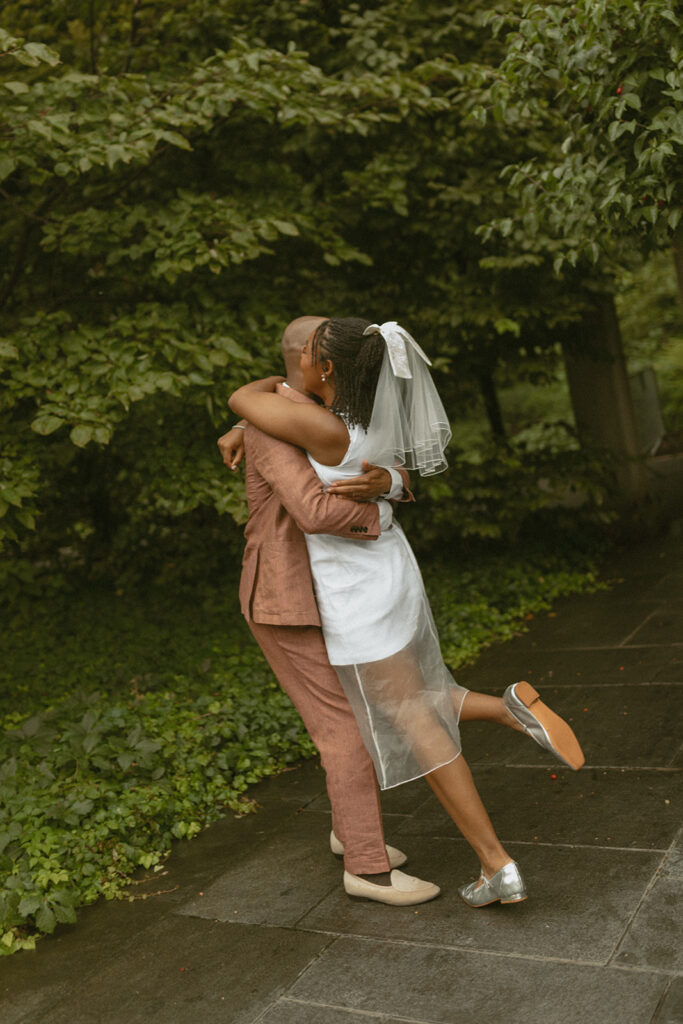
x,y
298,657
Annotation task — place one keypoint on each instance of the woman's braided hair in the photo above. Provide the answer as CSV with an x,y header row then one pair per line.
x,y
357,361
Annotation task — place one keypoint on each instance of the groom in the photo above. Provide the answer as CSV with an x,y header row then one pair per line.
x,y
286,500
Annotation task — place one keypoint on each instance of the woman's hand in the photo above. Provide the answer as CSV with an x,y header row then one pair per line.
x,y
231,446
266,384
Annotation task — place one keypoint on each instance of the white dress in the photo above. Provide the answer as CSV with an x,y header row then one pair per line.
x,y
383,644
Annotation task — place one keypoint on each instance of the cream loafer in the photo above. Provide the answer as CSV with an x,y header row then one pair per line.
x,y
507,885
404,891
549,730
397,858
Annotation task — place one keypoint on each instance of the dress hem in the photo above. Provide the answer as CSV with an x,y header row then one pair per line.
x,y
421,775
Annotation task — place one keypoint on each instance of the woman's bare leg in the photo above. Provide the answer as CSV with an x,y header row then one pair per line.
x,y
454,786
482,707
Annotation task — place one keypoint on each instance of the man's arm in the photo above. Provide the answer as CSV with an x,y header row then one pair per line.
x,y
364,487
298,487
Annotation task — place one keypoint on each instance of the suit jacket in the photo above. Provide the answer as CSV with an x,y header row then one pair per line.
x,y
286,500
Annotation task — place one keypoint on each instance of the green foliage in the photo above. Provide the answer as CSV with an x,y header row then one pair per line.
x,y
144,211
605,79
179,180
95,784
491,599
133,719
539,482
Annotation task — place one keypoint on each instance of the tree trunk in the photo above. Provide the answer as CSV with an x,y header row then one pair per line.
x,y
487,386
601,396
677,248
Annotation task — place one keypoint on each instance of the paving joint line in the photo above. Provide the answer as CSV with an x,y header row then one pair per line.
x,y
656,874
672,763
643,623
301,973
660,1005
608,647
372,1014
604,964
584,768
562,846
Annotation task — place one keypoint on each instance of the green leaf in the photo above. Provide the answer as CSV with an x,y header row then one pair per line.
x,y
115,154
65,913
42,53
26,518
286,227
46,920
7,350
16,88
10,495
82,434
30,904
46,424
7,165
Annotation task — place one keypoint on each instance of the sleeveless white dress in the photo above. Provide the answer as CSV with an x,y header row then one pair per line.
x,y
382,642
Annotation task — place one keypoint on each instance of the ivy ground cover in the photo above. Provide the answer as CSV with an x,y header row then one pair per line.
x,y
131,720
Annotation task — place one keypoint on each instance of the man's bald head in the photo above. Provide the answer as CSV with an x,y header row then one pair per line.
x,y
293,340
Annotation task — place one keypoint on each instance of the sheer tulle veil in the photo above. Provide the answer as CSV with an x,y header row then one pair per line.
x,y
409,425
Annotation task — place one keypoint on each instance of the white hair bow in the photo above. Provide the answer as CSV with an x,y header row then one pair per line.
x,y
396,338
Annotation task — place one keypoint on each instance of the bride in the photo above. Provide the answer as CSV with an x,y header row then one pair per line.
x,y
378,404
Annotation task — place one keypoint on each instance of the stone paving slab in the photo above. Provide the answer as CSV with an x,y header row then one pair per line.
x,y
598,939
580,904
671,1007
664,626
605,807
670,586
31,984
277,884
185,971
596,620
454,987
544,666
636,726
287,1011
654,937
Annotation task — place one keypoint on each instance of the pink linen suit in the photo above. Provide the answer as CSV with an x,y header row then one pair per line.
x,y
286,500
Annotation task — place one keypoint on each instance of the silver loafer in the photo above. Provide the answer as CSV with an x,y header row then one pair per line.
x,y
397,858
507,885
549,730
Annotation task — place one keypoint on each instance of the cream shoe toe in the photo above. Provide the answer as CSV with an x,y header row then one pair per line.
x,y
397,858
404,891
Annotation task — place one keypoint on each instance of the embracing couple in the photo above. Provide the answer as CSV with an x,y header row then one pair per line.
x,y
334,597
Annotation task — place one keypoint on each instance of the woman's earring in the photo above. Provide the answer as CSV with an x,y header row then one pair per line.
x,y
323,377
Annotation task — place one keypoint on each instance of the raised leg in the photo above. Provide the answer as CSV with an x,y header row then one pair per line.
x,y
481,707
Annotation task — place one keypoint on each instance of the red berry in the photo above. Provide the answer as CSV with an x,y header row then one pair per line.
x,y
619,90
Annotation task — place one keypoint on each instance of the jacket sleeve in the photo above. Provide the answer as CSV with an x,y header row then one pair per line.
x,y
407,493
298,487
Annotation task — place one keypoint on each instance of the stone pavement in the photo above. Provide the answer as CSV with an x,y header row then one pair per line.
x,y
254,928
